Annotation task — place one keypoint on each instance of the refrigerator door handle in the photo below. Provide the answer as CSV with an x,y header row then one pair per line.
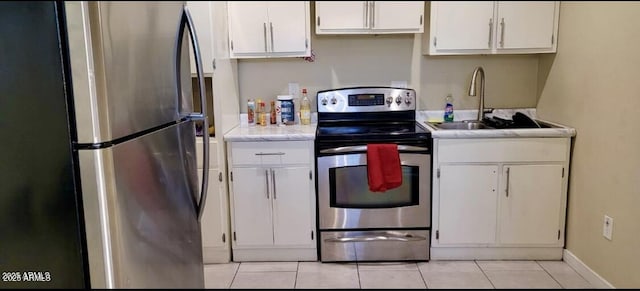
x,y
202,115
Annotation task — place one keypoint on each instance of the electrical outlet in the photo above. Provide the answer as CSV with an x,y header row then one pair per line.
x,y
607,228
294,89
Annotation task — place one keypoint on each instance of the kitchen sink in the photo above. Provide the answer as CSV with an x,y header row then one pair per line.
x,y
461,125
491,123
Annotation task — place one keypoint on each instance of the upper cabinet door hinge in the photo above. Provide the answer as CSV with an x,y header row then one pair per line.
x,y
438,173
558,234
231,176
437,234
318,21
552,39
306,43
310,176
220,176
234,235
232,45
213,64
562,172
435,41
312,235
224,237
420,19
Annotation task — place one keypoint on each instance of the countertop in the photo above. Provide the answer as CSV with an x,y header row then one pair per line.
x,y
424,117
270,132
244,132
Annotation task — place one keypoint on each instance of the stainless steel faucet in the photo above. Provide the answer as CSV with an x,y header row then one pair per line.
x,y
472,90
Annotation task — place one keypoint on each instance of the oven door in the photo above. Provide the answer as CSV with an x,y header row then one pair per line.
x,y
345,202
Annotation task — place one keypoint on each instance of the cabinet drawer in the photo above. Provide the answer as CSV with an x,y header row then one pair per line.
x,y
503,150
213,153
271,152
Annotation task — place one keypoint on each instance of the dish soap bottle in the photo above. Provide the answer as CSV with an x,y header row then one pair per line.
x,y
448,109
305,109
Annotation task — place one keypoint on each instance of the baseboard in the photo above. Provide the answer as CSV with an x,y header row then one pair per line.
x,y
275,255
216,255
592,277
496,253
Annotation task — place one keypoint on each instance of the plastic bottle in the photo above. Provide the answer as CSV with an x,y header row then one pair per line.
x,y
305,109
448,109
278,112
287,109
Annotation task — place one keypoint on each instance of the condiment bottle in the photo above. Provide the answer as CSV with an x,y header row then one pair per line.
x,y
305,108
272,113
262,115
251,111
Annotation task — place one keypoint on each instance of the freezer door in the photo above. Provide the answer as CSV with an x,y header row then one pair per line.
x,y
127,76
140,207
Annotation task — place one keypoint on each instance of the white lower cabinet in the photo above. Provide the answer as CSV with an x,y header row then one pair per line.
x,y
499,198
530,209
470,190
214,223
273,201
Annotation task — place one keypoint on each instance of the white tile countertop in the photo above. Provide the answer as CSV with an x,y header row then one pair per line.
x,y
424,117
245,132
271,132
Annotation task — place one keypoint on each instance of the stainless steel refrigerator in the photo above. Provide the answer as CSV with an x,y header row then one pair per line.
x,y
98,185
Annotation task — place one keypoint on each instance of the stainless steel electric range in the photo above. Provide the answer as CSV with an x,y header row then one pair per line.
x,y
354,223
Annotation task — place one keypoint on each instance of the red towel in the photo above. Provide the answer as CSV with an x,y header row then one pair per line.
x,y
383,167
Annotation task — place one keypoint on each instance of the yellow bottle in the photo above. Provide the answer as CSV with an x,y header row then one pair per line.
x,y
305,109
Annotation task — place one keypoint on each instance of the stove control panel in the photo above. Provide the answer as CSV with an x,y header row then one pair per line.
x,y
366,99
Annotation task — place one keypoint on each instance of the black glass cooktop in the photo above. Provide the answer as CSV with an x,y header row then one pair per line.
x,y
396,130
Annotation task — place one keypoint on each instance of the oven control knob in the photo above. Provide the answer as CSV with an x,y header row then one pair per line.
x,y
398,100
334,100
389,100
407,100
324,101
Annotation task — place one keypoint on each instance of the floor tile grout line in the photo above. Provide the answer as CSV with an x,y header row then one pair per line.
x,y
552,277
234,275
485,274
422,276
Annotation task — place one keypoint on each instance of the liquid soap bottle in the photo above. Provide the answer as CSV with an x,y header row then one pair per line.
x,y
448,109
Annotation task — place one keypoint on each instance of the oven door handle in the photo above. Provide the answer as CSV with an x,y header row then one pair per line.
x,y
363,148
368,238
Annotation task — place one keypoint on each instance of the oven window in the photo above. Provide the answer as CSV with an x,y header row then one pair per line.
x,y
350,189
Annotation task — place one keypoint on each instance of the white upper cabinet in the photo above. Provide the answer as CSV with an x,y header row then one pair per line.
x,y
369,17
259,29
201,15
529,25
492,27
462,25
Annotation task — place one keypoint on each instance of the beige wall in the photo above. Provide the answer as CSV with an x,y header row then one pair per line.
x,y
593,85
377,60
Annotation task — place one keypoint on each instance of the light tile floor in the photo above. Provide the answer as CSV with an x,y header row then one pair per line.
x,y
400,275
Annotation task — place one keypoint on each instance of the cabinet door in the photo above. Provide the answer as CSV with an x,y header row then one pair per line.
x,y
530,204
461,25
248,26
292,214
332,16
201,14
404,16
214,218
252,207
525,24
468,204
288,26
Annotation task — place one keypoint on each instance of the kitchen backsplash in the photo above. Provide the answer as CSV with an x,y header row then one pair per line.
x,y
379,60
